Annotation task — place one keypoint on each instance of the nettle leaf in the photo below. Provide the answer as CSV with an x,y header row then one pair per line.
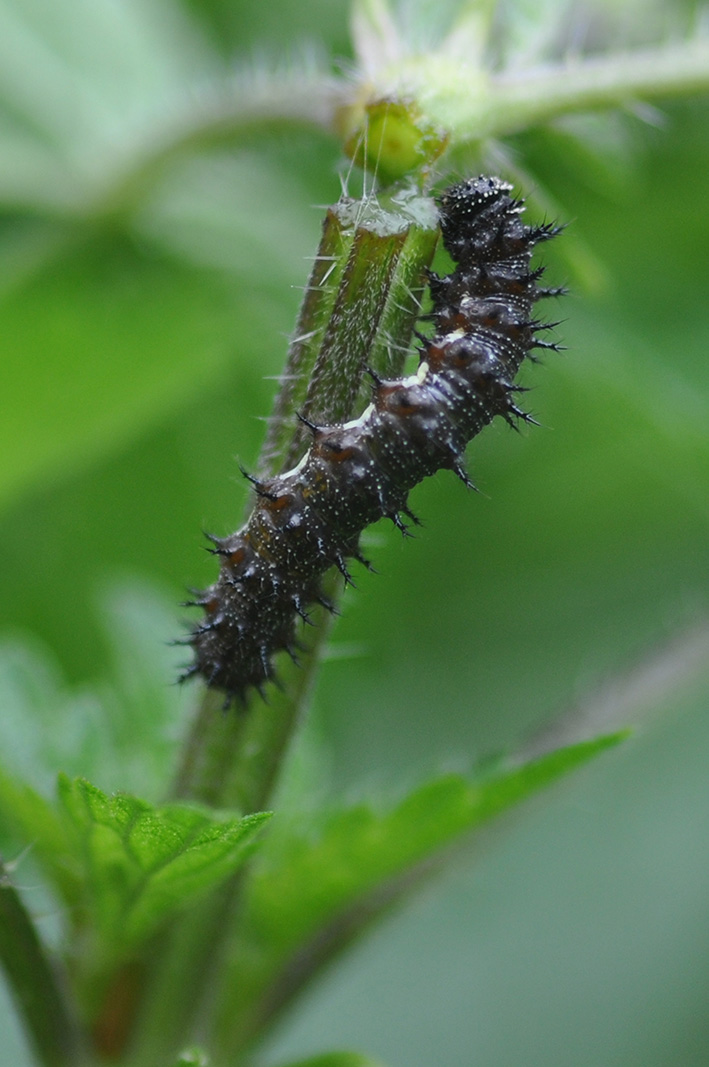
x,y
141,863
315,887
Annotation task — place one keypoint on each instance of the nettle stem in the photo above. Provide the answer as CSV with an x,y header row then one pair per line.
x,y
359,311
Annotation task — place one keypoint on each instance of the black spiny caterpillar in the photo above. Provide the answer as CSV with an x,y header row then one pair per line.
x,y
310,518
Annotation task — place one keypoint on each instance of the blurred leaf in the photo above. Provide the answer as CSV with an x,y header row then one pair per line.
x,y
192,1057
36,715
31,975
34,822
122,731
97,345
316,886
337,1059
86,82
104,335
143,864
145,708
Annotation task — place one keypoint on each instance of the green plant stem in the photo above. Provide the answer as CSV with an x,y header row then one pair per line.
x,y
361,303
537,96
35,985
472,104
232,758
362,314
375,258
280,447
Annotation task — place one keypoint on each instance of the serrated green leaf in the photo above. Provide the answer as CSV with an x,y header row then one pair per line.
x,y
141,863
316,886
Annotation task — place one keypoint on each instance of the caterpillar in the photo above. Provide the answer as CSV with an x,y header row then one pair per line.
x,y
309,519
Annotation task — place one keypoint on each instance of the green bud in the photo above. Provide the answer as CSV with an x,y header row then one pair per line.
x,y
393,139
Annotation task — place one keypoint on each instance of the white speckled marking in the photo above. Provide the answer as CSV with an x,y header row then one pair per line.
x,y
364,417
298,467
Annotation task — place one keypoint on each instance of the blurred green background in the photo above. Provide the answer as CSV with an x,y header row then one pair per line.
x,y
137,349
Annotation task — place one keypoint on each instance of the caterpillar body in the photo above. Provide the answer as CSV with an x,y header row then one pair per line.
x,y
310,518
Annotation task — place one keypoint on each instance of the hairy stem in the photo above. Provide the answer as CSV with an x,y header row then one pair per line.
x,y
599,82
359,311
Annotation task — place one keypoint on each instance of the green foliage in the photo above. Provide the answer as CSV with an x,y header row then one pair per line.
x,y
29,818
91,729
140,864
88,309
192,1057
337,1059
154,219
320,881
308,875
